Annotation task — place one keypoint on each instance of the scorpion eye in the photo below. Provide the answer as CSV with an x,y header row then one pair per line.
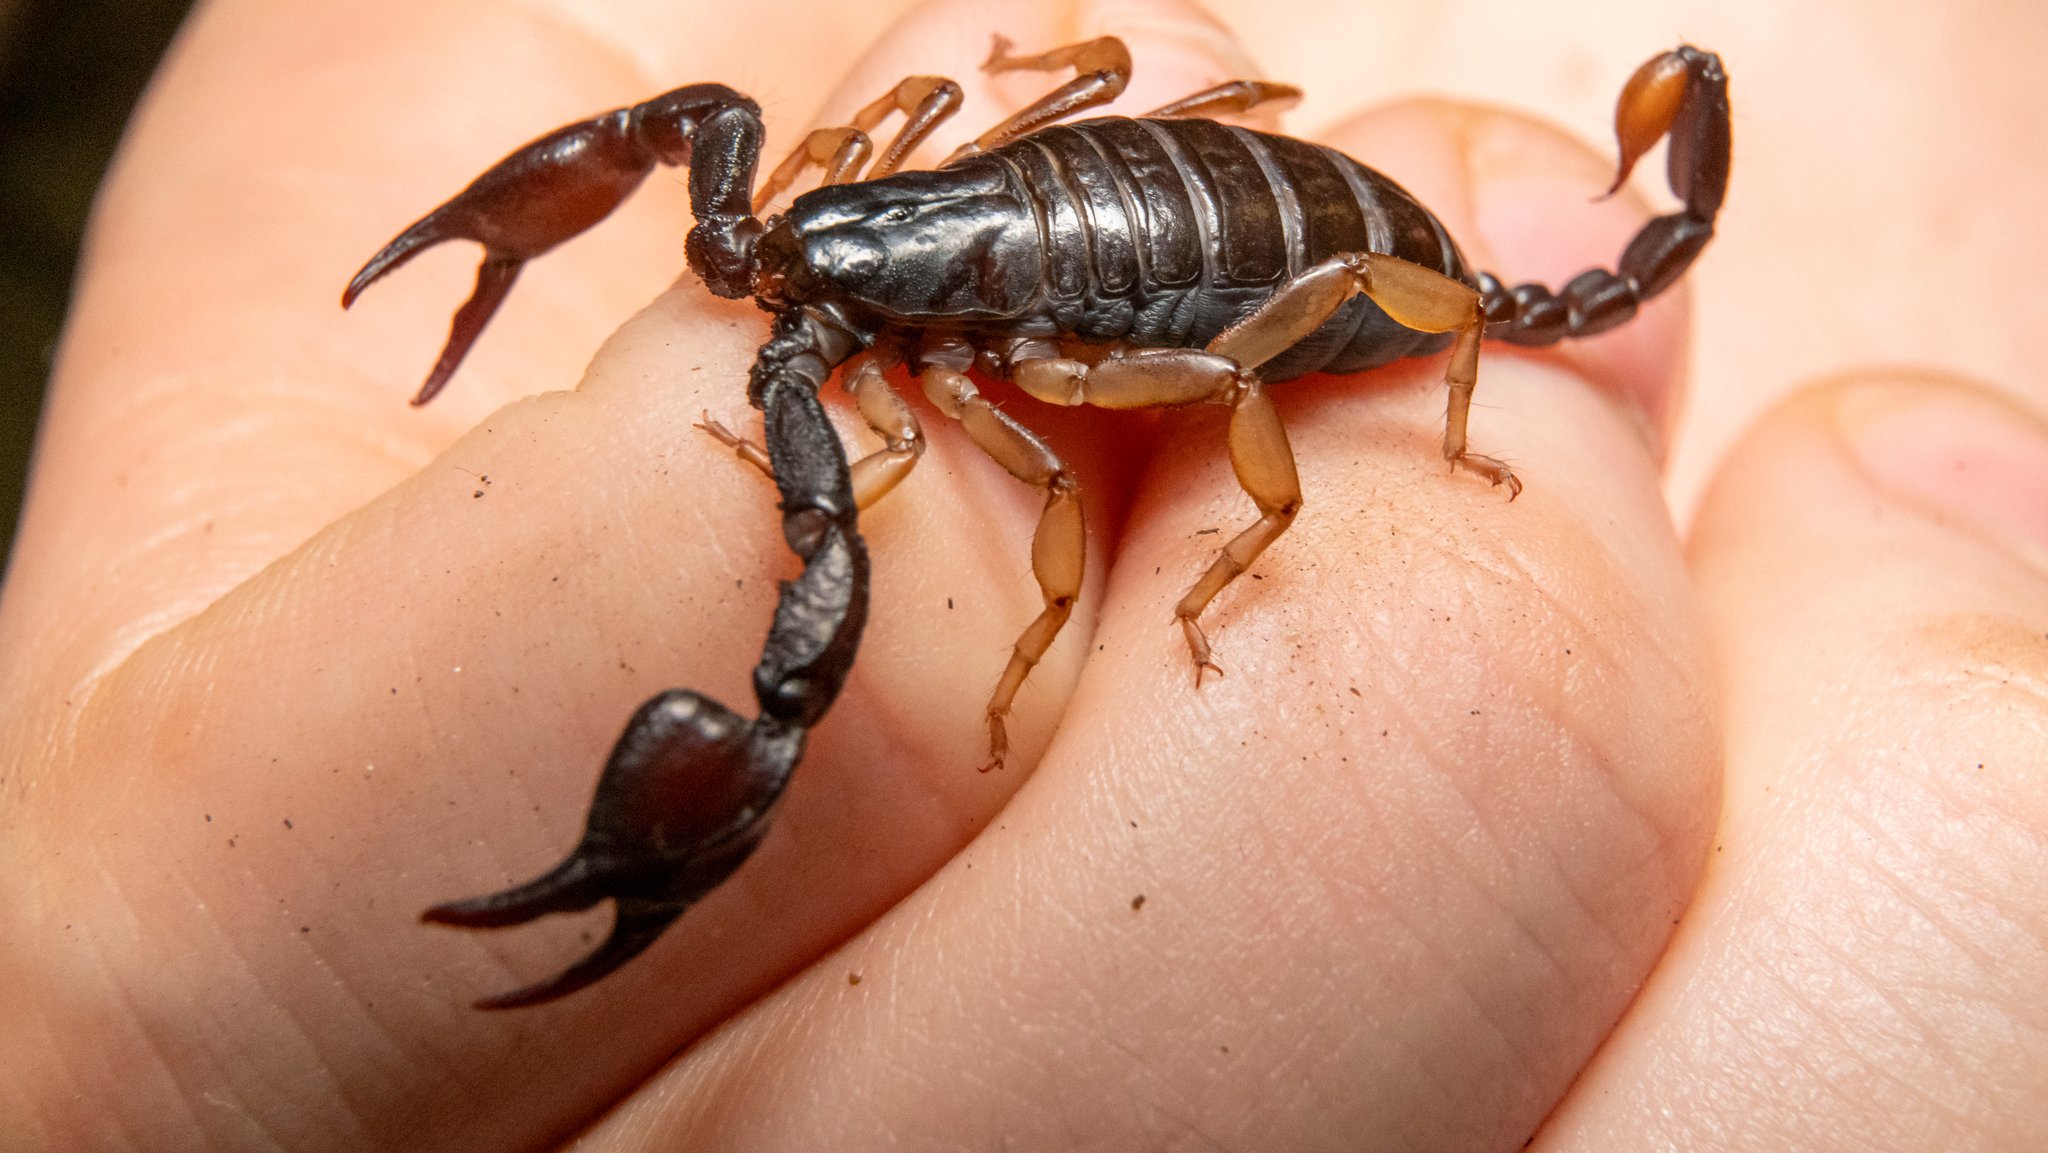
x,y
895,214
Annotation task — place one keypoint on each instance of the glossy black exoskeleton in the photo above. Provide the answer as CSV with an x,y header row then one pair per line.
x,y
1113,262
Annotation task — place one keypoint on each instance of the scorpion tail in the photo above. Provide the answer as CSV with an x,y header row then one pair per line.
x,y
1684,94
688,791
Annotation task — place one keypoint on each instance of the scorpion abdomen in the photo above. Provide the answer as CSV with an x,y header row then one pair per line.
x,y
1162,233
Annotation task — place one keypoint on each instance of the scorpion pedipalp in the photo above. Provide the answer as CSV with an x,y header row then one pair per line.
x,y
562,183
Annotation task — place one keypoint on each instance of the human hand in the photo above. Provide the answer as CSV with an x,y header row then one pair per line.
x,y
1415,938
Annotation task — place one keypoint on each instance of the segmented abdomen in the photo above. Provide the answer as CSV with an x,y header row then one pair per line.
x,y
1163,232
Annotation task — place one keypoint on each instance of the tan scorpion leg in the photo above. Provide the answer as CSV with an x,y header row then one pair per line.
x,y
1058,548
1231,98
1264,463
1259,452
1102,68
925,101
1415,296
875,474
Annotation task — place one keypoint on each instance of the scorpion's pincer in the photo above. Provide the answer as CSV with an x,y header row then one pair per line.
x,y
682,801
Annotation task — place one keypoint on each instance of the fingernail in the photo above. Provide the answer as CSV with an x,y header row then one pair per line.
x,y
1955,451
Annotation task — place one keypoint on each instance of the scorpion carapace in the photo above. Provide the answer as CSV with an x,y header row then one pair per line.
x,y
1121,263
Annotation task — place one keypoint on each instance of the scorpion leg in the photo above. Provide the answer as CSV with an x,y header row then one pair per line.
x,y
880,471
1264,463
875,474
1102,67
561,184
689,789
839,151
1259,452
1684,94
1058,548
1417,297
1230,98
925,101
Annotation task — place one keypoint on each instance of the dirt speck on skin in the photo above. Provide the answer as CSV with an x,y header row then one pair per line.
x,y
853,978
1137,902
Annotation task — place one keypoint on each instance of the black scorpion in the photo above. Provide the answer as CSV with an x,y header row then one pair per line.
x,y
1114,262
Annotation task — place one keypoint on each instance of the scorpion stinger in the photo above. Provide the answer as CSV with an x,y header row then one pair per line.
x,y
1683,93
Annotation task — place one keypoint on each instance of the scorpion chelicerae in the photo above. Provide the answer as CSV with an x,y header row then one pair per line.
x,y
1121,263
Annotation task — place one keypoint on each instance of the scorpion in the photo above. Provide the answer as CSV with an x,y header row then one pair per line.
x,y
1117,262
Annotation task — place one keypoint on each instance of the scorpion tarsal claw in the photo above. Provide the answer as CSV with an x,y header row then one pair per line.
x,y
682,802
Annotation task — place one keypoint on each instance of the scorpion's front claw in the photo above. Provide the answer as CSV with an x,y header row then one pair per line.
x,y
683,801
631,932
559,185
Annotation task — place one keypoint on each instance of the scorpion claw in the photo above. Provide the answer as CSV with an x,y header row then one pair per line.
x,y
630,934
682,802
494,278
568,887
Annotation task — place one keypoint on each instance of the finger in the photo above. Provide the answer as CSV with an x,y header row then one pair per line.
x,y
1864,967
412,707
1385,885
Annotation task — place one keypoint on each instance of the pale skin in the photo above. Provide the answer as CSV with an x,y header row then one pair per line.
x,y
1478,771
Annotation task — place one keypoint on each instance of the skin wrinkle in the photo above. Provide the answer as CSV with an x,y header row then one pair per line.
x,y
1417,1057
1929,906
1795,1045
141,1026
1906,1083
72,1076
1915,1029
1586,633
1766,1061
213,1058
1486,1014
1902,886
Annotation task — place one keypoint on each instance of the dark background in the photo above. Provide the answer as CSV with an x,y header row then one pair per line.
x,y
70,72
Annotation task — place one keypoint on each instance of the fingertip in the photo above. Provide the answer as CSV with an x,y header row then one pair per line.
x,y
1870,559
1862,481
1957,450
